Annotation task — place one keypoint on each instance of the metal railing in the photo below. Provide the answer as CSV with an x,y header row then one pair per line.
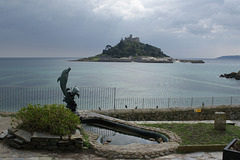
x,y
175,102
13,98
92,98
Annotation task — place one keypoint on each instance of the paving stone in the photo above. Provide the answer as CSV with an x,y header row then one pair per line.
x,y
4,134
24,135
17,140
196,154
28,146
38,147
10,136
53,140
65,138
216,155
52,147
14,144
147,157
33,158
80,145
188,158
62,147
43,143
12,130
63,142
71,147
45,158
37,136
76,136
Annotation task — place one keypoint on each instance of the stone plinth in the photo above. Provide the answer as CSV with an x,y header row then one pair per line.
x,y
220,121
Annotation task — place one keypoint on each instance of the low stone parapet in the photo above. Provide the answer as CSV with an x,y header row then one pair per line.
x,y
173,114
21,139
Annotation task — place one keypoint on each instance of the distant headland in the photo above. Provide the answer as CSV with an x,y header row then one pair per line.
x,y
229,57
131,49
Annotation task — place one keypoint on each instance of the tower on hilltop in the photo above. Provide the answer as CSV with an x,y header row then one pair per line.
x,y
132,39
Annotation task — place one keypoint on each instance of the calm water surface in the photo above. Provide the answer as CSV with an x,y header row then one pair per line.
x,y
130,79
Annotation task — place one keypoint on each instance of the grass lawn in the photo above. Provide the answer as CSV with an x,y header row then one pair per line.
x,y
201,134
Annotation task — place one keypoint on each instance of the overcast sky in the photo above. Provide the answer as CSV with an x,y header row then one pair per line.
x,y
82,28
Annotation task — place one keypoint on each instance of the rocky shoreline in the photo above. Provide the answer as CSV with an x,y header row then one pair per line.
x,y
139,60
231,75
126,60
191,61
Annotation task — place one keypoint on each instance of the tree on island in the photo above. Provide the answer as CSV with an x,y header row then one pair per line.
x,y
108,47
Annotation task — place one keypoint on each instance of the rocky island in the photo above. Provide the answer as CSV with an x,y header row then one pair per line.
x,y
231,75
190,61
131,49
235,75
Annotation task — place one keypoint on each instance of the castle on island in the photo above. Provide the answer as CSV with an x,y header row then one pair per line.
x,y
125,51
132,39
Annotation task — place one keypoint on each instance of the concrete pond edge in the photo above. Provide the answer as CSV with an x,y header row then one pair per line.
x,y
135,150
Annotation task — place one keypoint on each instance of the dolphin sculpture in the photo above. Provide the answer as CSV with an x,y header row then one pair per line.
x,y
75,91
63,80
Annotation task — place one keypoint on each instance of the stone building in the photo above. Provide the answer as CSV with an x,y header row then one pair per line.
x,y
132,39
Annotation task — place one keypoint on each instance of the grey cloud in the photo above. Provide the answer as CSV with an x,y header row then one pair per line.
x,y
84,27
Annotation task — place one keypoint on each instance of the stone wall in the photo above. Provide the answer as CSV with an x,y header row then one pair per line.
x,y
173,114
25,140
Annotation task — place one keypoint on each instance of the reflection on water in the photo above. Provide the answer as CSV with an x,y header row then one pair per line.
x,y
115,138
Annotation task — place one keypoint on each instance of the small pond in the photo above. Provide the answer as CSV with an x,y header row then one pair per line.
x,y
113,133
115,138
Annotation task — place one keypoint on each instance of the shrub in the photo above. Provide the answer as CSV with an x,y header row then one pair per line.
x,y
52,119
86,143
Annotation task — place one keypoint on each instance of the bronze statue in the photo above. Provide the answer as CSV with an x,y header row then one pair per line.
x,y
63,80
68,93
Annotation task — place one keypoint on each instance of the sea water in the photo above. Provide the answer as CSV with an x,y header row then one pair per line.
x,y
148,80
112,137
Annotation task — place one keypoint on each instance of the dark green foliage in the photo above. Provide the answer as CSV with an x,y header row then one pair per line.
x,y
129,48
86,142
52,119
